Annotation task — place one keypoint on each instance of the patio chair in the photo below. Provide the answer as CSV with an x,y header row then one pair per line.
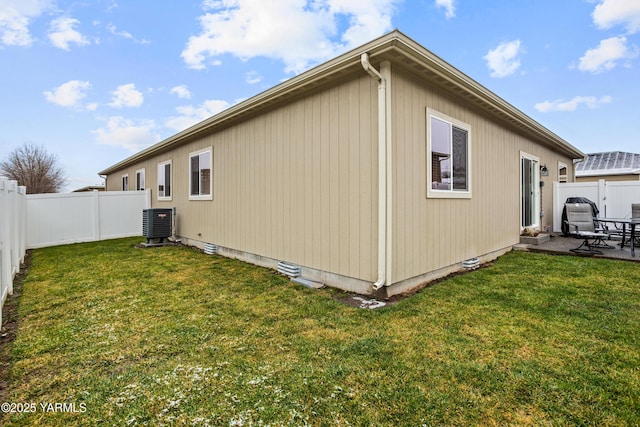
x,y
635,213
580,225
594,210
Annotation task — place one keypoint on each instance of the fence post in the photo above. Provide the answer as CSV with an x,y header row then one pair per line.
x,y
7,208
147,198
5,271
556,206
602,197
22,235
15,233
2,228
96,214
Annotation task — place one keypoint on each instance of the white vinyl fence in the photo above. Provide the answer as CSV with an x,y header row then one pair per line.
x,y
613,198
12,236
57,219
40,220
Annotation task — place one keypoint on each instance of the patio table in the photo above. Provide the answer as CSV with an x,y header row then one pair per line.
x,y
632,222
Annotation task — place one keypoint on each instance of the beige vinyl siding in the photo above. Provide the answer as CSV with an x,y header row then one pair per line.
x,y
296,183
428,233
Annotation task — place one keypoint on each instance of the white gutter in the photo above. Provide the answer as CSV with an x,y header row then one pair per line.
x,y
382,171
604,172
575,164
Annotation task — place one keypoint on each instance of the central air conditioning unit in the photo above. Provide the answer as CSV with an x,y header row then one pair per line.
x,y
157,225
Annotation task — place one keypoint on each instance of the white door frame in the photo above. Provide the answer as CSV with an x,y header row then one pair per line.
x,y
532,190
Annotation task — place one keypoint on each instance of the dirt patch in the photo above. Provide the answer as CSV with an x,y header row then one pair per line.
x,y
10,327
360,301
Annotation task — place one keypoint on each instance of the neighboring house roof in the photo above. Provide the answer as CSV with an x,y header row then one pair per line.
x,y
89,188
395,47
610,163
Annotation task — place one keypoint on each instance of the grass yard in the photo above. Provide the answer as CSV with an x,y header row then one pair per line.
x,y
170,336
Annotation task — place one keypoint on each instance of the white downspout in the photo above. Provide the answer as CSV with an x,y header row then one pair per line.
x,y
382,171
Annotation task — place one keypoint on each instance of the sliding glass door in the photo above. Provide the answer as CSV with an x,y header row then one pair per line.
x,y
529,191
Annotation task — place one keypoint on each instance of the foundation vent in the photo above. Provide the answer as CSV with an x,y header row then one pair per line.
x,y
288,269
471,264
210,249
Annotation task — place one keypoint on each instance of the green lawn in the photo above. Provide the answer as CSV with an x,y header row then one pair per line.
x,y
171,336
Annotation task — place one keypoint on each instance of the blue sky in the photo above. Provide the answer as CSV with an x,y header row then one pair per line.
x,y
94,81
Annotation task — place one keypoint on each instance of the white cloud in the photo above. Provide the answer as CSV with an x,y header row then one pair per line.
x,y
120,132
181,91
112,6
252,77
125,34
448,6
190,115
62,33
298,32
70,94
15,17
606,56
126,96
609,13
120,33
573,104
503,60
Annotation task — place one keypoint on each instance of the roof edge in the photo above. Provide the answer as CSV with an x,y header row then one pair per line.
x,y
604,172
288,86
417,52
390,41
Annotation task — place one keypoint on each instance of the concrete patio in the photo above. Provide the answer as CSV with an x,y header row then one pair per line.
x,y
558,244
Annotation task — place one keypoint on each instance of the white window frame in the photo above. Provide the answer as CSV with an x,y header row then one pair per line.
x,y
447,194
565,177
140,180
163,164
125,182
209,196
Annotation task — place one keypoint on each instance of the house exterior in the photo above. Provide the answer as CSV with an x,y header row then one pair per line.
x,y
89,188
612,166
375,172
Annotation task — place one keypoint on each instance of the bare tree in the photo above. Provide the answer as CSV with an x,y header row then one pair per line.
x,y
35,168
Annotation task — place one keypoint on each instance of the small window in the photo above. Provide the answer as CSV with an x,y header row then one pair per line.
x,y
200,181
125,182
140,179
448,157
562,172
164,180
